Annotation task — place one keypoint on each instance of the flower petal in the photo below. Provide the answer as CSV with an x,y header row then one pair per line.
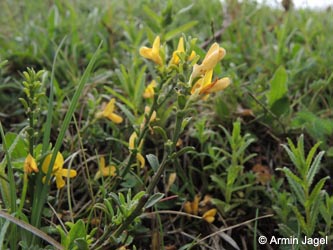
x,y
59,181
152,53
109,108
131,142
188,207
58,164
146,52
180,49
195,205
109,171
215,86
67,173
30,165
115,118
101,162
209,216
141,159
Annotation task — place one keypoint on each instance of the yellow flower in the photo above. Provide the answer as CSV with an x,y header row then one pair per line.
x,y
153,53
30,165
108,112
205,85
192,207
153,115
209,216
104,171
180,49
213,56
149,91
192,55
58,170
131,146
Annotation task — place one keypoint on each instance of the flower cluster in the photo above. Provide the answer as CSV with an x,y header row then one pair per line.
x,y
201,79
196,207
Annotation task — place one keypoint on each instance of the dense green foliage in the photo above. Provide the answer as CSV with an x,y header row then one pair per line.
x,y
251,151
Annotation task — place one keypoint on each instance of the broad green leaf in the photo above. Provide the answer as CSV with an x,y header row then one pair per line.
x,y
78,230
153,200
281,106
82,244
278,85
138,196
153,161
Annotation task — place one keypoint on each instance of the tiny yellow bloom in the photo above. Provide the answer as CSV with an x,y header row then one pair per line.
x,y
153,53
188,207
180,49
57,170
209,216
192,207
104,171
30,165
213,56
108,112
171,180
153,115
131,145
192,55
149,90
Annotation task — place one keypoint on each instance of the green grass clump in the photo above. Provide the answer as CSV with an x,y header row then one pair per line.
x,y
112,136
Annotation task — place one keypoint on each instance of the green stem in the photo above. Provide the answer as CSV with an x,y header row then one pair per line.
x,y
138,210
24,191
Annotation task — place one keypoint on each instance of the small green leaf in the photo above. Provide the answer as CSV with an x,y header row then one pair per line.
x,y
295,185
161,131
153,161
278,86
317,189
78,230
314,168
82,244
154,199
182,151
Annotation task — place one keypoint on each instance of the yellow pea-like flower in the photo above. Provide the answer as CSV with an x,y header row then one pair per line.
x,y
131,145
213,56
104,170
108,112
205,86
57,169
209,216
150,90
153,53
30,165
